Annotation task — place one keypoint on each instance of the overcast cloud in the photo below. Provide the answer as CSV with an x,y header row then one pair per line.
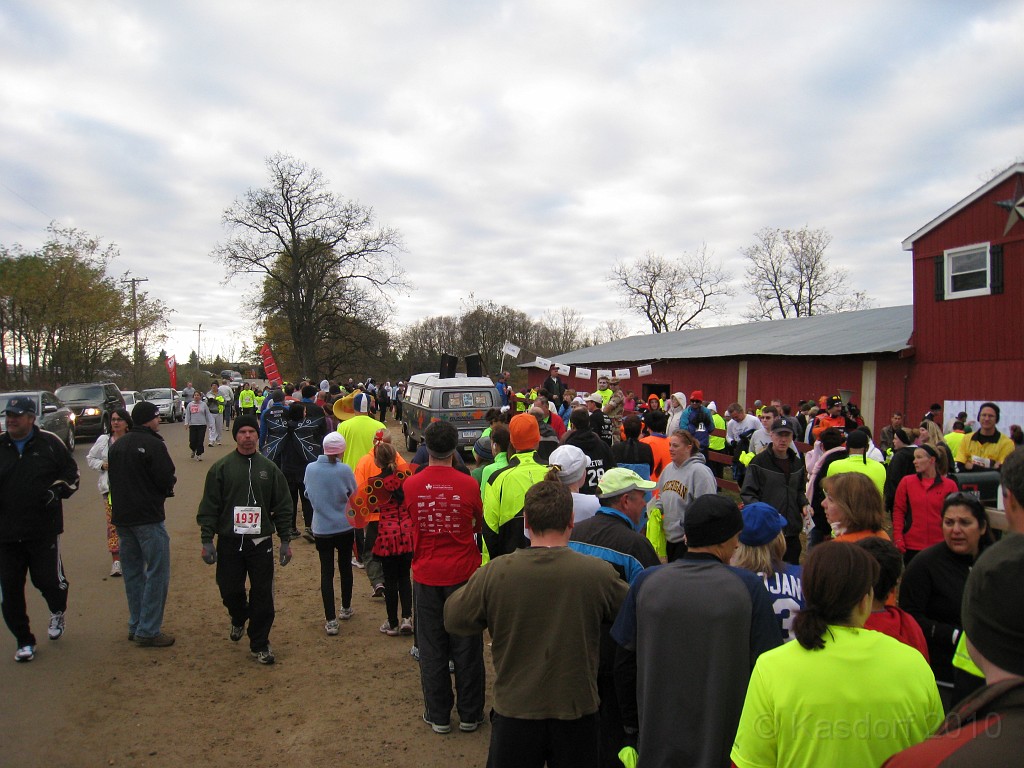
x,y
520,148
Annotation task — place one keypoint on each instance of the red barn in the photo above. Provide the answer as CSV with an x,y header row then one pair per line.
x,y
961,342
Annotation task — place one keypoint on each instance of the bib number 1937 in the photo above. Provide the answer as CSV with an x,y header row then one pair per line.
x,y
247,520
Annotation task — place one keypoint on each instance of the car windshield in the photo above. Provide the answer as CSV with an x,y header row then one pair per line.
x,y
33,395
80,392
156,394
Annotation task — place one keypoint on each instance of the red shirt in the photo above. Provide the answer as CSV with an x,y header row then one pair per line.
x,y
446,511
895,622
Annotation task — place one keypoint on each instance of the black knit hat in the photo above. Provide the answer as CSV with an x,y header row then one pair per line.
x,y
244,421
711,520
993,607
144,412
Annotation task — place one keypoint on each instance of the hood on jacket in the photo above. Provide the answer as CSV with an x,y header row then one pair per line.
x,y
697,458
680,398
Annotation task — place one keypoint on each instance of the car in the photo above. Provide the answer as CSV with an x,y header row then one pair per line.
x,y
462,400
168,401
51,414
131,397
92,405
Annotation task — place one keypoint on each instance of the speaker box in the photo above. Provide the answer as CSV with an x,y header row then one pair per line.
x,y
448,363
474,365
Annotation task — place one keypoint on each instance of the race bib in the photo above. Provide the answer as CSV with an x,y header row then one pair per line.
x,y
981,461
247,520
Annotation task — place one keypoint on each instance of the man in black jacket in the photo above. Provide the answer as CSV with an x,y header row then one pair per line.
x,y
141,479
597,450
36,473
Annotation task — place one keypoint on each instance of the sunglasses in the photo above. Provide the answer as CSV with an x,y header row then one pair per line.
x,y
961,496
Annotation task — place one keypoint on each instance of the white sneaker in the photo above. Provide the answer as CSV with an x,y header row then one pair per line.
x,y
56,628
25,653
345,614
332,627
357,563
115,569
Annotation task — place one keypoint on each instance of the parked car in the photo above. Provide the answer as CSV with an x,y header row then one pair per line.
x,y
168,401
131,397
462,400
92,405
51,415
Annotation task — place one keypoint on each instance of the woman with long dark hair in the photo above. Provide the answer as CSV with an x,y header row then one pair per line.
x,y
120,423
841,694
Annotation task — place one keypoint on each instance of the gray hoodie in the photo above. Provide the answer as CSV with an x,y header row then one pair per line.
x,y
678,486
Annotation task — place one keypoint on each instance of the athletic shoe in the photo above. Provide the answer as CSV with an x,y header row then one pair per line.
x,y
387,629
469,727
437,727
332,627
415,652
192,455
451,667
345,614
266,656
25,653
56,628
236,633
210,445
115,569
358,563
308,536
157,641
378,590
199,457
405,627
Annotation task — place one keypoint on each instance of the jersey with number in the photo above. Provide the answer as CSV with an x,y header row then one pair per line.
x,y
787,595
598,453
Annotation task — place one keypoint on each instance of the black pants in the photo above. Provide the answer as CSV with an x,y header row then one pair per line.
x,y
238,558
519,743
674,550
197,438
397,586
39,558
298,491
437,647
326,546
793,549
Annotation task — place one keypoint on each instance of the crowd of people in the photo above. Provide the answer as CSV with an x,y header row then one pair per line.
x,y
833,610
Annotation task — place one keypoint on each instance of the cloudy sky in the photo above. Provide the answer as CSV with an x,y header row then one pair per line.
x,y
521,148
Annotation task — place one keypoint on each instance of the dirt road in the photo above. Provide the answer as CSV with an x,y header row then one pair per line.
x,y
93,698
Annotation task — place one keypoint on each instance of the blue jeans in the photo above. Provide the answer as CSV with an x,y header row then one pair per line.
x,y
146,567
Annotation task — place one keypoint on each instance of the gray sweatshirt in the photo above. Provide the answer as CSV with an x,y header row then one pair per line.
x,y
678,486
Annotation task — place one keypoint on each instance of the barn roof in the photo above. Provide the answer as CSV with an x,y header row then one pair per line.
x,y
908,244
864,332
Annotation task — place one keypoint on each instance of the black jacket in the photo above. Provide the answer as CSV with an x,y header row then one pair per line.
x,y
141,477
766,481
32,486
597,451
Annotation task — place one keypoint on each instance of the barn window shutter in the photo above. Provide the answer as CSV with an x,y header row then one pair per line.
x,y
940,278
996,268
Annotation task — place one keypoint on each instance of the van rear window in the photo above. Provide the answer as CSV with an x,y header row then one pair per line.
x,y
467,400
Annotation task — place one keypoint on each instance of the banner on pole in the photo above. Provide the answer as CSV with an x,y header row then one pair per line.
x,y
172,371
603,374
542,362
644,370
583,373
622,373
563,370
511,349
270,366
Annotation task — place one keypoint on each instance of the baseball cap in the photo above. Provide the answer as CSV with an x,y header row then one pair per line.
x,y
834,401
620,480
761,524
595,397
785,424
361,403
571,461
16,406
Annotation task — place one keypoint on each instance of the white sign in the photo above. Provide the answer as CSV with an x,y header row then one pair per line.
x,y
542,362
510,349
603,374
563,370
583,373
622,373
644,370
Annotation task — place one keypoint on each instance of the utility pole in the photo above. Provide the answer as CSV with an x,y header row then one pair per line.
x,y
199,347
135,326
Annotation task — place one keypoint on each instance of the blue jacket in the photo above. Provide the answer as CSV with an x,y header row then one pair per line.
x,y
328,487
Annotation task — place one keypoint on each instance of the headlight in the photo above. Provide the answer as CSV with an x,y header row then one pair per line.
x,y
90,411
72,416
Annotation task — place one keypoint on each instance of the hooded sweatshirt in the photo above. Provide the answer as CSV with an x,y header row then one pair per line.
x,y
597,451
678,486
676,406
895,622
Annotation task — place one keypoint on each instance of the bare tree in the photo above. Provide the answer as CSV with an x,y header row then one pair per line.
x,y
317,252
790,276
672,293
612,329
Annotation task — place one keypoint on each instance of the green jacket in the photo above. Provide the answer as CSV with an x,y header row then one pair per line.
x,y
228,486
504,500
